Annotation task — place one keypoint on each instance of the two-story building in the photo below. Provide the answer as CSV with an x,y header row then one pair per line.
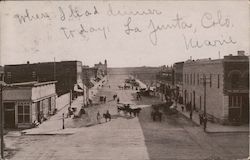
x,y
66,73
220,86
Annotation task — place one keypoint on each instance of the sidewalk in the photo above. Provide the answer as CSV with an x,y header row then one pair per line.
x,y
214,127
54,124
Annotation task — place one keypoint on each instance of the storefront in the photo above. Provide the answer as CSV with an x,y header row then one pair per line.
x,y
27,102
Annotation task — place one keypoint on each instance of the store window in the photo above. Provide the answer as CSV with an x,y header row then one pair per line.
x,y
23,113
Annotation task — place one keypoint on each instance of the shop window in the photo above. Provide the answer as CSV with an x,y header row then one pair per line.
x,y
23,113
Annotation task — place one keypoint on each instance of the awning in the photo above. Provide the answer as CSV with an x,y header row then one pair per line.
x,y
77,88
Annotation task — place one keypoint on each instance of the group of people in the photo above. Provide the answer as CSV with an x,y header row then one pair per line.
x,y
202,116
106,115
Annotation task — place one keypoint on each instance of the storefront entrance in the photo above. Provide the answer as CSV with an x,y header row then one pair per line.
x,y
9,115
239,108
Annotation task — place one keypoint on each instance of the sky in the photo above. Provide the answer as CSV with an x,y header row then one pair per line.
x,y
131,33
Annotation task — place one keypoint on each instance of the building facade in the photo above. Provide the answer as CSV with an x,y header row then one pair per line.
x,y
218,86
102,69
66,73
165,83
27,102
178,80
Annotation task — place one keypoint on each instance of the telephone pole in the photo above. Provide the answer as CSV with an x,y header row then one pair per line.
x,y
1,117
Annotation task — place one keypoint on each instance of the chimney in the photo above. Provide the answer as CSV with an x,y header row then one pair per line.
x,y
241,53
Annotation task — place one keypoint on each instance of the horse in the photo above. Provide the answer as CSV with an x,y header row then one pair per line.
x,y
107,116
120,87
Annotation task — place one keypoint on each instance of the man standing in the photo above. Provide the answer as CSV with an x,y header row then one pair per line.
x,y
191,114
98,117
205,122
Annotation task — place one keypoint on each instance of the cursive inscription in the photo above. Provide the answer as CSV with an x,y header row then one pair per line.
x,y
84,31
112,12
177,23
130,29
195,43
208,21
76,13
28,17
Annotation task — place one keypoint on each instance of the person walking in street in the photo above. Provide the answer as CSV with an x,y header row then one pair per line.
x,y
98,117
118,100
104,99
205,122
191,115
182,108
201,117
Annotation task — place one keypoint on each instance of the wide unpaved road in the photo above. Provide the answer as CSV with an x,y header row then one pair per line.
x,y
126,138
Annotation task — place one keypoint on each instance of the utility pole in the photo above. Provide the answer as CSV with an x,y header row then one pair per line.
x,y
205,98
54,67
205,92
2,124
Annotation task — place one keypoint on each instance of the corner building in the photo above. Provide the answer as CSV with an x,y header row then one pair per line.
x,y
226,91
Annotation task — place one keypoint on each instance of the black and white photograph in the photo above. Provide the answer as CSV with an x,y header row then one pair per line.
x,y
124,80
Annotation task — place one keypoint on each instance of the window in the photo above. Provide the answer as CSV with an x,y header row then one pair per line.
x,y
23,113
194,78
9,75
191,79
184,78
198,79
210,80
33,74
218,81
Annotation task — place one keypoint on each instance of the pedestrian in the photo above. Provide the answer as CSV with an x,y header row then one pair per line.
x,y
191,115
118,100
98,117
201,118
205,122
104,99
182,108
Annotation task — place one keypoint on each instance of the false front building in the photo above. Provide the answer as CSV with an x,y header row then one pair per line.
x,y
27,102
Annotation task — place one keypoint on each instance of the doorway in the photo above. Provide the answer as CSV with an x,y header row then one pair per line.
x,y
9,115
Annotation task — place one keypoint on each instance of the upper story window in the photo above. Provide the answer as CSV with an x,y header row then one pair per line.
x,y
218,81
194,78
210,80
9,75
198,79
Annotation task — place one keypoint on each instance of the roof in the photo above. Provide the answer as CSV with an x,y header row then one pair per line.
x,y
32,83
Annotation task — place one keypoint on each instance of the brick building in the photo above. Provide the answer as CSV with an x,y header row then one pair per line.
x,y
66,73
227,87
102,69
